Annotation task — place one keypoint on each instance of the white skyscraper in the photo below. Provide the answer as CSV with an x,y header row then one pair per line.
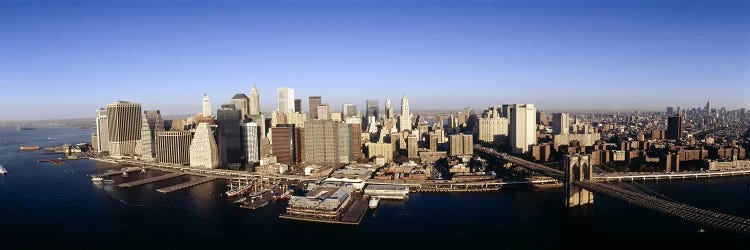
x,y
204,152
388,109
522,126
286,100
251,142
206,106
254,101
102,131
405,120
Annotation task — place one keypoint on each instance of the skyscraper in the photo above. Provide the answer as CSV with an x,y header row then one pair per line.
x,y
560,123
124,127
230,144
321,141
206,106
674,127
313,103
389,110
285,143
251,142
348,110
492,128
522,126
298,105
461,144
343,140
405,119
412,146
286,100
102,131
204,152
254,102
173,147
324,111
373,108
151,123
241,103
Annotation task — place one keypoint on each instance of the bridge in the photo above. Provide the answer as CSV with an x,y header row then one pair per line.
x,y
580,187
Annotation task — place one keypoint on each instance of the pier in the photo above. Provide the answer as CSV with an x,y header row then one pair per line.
x,y
186,185
150,180
119,172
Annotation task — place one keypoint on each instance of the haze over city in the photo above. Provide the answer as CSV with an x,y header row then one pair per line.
x,y
444,55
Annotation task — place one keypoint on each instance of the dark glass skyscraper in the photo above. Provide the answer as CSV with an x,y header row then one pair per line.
x,y
674,127
372,108
230,137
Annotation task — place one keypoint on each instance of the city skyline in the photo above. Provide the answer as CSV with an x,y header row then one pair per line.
x,y
443,55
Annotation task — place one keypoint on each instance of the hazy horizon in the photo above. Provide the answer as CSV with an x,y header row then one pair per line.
x,y
65,60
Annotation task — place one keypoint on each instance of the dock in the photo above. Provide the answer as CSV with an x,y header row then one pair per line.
x,y
119,172
186,185
351,216
150,180
57,162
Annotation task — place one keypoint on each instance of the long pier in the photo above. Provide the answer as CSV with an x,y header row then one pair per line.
x,y
150,180
118,172
186,185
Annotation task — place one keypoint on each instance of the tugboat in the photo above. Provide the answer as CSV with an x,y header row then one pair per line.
x,y
374,201
3,171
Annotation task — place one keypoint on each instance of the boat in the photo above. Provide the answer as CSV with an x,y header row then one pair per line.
x,y
108,181
24,128
3,170
239,187
30,148
258,199
97,179
124,174
374,201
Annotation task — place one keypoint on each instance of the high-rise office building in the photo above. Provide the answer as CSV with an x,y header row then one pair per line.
x,y
670,111
491,126
343,143
522,126
674,127
151,123
405,119
324,112
389,114
298,105
412,146
285,143
229,135
560,123
312,105
102,131
384,150
254,102
204,152
461,144
356,142
432,141
321,141
242,103
206,106
124,127
373,108
286,100
348,110
173,147
251,142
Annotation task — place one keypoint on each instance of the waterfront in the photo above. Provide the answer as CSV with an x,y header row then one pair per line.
x,y
48,206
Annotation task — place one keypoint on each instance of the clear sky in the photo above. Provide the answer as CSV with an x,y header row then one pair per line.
x,y
64,60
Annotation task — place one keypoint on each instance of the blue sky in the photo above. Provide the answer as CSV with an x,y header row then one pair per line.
x,y
64,60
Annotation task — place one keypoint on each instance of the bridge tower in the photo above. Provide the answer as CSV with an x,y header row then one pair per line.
x,y
577,168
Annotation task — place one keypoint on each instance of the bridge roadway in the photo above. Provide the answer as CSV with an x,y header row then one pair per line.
x,y
710,219
668,176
